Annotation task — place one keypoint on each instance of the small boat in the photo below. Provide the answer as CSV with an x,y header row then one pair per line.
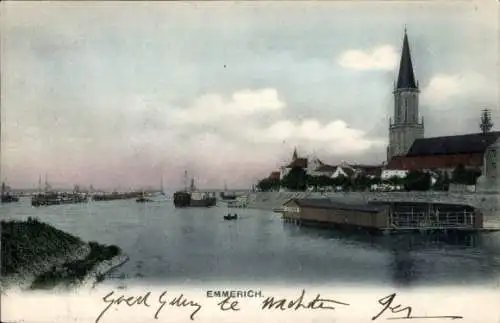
x,y
231,217
143,199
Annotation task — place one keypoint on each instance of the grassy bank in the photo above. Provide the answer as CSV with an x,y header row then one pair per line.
x,y
45,256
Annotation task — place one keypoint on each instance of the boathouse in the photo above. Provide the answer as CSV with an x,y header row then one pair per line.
x,y
324,211
383,215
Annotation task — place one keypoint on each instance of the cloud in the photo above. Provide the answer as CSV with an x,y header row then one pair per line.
x,y
445,87
379,58
335,136
241,104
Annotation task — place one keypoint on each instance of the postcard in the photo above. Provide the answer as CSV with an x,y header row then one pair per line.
x,y
303,161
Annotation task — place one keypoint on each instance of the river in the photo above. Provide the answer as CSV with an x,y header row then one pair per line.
x,y
196,246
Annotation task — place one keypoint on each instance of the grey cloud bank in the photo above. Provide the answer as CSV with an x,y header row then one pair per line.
x,y
117,94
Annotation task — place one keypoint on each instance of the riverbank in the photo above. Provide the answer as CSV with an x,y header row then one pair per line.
x,y
36,255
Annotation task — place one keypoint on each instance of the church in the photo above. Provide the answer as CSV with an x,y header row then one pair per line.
x,y
408,149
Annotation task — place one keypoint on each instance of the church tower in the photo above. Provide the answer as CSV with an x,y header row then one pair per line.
x,y
405,126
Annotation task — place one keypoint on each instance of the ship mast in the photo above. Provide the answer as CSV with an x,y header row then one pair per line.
x,y
192,188
186,180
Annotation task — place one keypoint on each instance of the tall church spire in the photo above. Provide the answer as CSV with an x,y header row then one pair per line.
x,y
405,126
406,77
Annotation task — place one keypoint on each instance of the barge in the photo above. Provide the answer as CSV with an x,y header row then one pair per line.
x,y
192,198
386,217
45,199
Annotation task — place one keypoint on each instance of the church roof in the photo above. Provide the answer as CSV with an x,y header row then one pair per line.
x,y
299,162
406,77
453,145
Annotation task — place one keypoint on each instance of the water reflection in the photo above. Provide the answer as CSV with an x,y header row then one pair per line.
x,y
423,258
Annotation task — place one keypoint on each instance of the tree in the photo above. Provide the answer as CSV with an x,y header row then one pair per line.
x,y
268,184
296,179
417,181
361,182
442,182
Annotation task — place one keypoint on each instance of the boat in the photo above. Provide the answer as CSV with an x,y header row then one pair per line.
x,y
143,199
227,195
49,197
6,196
193,198
230,217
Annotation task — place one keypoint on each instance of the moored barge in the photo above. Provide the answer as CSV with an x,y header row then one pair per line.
x,y
383,216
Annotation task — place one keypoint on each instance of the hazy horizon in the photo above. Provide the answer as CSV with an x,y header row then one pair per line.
x,y
121,94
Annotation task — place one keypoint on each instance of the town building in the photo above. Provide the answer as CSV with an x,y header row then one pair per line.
x,y
316,167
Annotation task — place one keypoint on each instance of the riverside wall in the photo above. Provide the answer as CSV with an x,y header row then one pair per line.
x,y
489,204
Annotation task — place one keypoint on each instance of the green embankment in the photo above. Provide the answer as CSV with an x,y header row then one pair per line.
x,y
52,256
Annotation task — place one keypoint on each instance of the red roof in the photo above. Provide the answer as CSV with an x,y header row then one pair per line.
x,y
435,162
275,175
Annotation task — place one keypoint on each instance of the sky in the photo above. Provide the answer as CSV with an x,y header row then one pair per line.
x,y
123,94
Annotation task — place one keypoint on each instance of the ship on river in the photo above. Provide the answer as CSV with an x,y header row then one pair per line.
x,y
193,198
8,197
49,197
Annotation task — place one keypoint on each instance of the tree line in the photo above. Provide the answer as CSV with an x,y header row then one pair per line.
x,y
298,180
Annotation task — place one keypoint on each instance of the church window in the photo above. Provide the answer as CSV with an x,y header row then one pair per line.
x,y
406,110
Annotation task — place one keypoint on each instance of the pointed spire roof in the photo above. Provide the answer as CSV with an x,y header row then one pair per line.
x,y
295,156
406,77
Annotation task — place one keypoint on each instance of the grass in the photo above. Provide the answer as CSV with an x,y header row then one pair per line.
x,y
33,246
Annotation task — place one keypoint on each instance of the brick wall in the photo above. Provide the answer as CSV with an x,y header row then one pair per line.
x,y
439,162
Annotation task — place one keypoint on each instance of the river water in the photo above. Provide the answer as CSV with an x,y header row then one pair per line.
x,y
191,246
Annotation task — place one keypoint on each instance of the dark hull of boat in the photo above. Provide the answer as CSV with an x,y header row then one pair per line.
x,y
207,202
45,201
226,196
183,199
9,199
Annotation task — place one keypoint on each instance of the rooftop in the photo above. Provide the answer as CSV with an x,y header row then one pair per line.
x,y
328,203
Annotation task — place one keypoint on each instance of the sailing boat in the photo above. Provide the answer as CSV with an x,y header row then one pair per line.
x,y
6,196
